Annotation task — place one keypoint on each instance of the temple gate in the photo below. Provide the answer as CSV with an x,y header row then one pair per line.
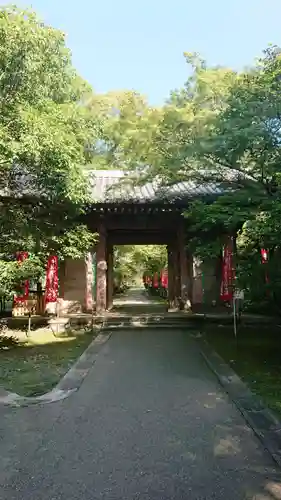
x,y
123,215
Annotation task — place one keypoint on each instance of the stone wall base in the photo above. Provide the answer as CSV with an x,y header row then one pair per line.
x,y
70,307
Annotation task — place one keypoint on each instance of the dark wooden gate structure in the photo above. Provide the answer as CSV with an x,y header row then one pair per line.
x,y
123,214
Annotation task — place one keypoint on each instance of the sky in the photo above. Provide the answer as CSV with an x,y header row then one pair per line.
x,y
123,44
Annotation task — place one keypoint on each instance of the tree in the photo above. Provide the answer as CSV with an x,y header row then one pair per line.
x,y
131,261
13,274
126,126
187,116
45,128
240,149
150,258
41,108
243,142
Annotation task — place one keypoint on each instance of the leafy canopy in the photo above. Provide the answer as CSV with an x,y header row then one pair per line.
x,y
45,128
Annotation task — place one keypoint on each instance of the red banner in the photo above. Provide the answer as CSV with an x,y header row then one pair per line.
x,y
164,278
21,256
155,280
264,260
52,281
227,274
264,256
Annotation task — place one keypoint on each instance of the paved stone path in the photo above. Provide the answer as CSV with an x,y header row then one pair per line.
x,y
137,301
149,423
134,297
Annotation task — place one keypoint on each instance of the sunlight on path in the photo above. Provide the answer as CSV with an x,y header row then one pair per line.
x,y
136,296
137,301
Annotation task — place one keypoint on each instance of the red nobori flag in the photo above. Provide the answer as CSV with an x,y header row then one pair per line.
x,y
52,282
264,260
264,256
227,273
21,256
155,280
164,278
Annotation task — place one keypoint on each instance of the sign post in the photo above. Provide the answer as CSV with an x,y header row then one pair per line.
x,y
234,316
229,293
238,296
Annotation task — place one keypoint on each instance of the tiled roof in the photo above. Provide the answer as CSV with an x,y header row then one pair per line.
x,y
115,186
109,186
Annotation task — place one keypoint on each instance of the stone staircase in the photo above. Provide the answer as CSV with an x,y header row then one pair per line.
x,y
150,321
176,320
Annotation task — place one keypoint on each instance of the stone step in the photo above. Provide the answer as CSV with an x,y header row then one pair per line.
x,y
145,322
146,327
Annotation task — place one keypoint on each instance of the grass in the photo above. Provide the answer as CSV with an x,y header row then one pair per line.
x,y
255,356
36,364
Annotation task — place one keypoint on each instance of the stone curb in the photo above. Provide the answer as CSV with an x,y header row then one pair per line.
x,y
228,319
266,426
68,384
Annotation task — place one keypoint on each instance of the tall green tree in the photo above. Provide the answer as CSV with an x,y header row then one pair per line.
x,y
43,123
240,149
126,126
187,116
45,131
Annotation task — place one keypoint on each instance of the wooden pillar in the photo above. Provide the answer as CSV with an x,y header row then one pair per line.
x,y
218,277
94,289
101,277
177,279
171,288
189,258
89,283
173,277
185,272
198,282
109,304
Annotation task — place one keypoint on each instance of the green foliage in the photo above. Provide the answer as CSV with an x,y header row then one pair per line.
x,y
42,123
210,223
224,128
74,242
150,258
243,145
45,129
35,64
44,229
125,270
262,282
131,261
13,274
125,126
185,119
